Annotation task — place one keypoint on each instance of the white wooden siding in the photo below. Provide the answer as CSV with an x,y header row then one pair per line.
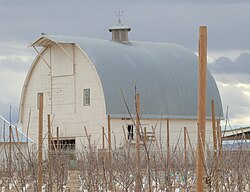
x,y
65,101
61,63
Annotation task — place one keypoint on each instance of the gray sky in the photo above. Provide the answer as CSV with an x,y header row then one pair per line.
x,y
164,21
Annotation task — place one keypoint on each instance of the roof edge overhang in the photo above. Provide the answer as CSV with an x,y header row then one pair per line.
x,y
42,42
177,117
45,41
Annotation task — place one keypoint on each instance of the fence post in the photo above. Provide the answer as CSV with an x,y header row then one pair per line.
x,y
49,155
138,176
201,108
40,140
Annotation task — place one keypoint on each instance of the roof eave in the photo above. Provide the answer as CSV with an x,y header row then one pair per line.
x,y
42,42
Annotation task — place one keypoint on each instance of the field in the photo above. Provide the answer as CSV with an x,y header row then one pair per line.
x,y
120,169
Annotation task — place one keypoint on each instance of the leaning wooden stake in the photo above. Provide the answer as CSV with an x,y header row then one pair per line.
x,y
49,155
219,135
201,108
214,127
138,177
40,141
215,146
190,144
109,152
103,144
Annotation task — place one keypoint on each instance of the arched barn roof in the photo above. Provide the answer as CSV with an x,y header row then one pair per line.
x,y
165,75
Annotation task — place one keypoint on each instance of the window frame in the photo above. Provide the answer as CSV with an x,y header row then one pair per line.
x,y
86,97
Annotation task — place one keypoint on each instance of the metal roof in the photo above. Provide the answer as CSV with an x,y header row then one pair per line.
x,y
17,135
165,75
236,134
119,26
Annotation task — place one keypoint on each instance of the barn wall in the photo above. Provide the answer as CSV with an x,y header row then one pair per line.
x,y
176,130
63,94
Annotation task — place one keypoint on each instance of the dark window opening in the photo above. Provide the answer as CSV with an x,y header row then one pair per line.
x,y
63,144
130,132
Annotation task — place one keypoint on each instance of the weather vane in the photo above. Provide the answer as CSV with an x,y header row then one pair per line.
x,y
119,14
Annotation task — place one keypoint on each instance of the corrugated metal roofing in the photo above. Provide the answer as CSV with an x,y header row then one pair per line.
x,y
5,132
165,74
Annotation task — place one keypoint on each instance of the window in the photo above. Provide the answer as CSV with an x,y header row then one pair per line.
x,y
86,97
130,132
64,144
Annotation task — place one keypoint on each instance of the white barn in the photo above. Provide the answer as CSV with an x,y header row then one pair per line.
x,y
84,80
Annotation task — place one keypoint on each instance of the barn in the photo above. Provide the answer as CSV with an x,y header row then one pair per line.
x,y
85,80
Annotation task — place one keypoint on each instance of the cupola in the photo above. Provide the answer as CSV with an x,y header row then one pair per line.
x,y
120,31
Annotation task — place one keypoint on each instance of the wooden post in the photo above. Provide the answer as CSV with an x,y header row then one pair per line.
x,y
57,139
104,185
57,154
219,137
40,141
109,152
168,157
138,176
219,158
10,151
185,155
127,141
88,138
202,75
109,139
103,144
145,135
168,143
125,136
49,155
185,146
190,144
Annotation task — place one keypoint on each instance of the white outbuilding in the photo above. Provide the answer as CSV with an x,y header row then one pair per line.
x,y
13,143
84,80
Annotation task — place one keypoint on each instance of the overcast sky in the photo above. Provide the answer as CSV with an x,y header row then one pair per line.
x,y
21,22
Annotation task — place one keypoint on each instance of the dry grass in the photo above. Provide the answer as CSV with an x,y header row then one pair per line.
x,y
90,170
